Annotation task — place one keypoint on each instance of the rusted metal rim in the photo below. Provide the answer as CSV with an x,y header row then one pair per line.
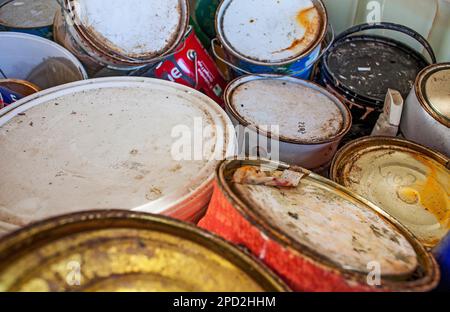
x,y
44,232
428,273
346,113
19,27
323,33
141,59
30,86
419,87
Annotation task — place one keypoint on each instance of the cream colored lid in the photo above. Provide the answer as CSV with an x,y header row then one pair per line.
x,y
411,187
437,90
270,30
337,228
107,143
301,112
28,13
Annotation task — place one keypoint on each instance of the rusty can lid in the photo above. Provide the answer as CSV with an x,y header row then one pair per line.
x,y
408,181
434,88
28,13
330,225
305,112
126,251
142,31
107,143
271,31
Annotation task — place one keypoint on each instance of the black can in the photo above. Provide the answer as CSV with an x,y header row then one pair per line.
x,y
360,68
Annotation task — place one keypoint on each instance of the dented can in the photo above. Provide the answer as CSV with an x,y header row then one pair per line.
x,y
318,236
305,121
126,251
246,31
426,116
407,180
34,17
191,66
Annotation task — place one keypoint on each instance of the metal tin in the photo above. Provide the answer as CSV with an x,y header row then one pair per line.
x,y
191,66
12,90
38,60
123,39
442,254
29,16
8,96
359,68
125,251
407,180
318,236
426,116
246,31
311,121
108,143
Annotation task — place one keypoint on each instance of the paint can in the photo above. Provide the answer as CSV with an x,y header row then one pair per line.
x,y
108,143
305,121
318,236
103,36
191,66
29,16
442,254
113,251
360,67
39,61
426,116
407,180
246,31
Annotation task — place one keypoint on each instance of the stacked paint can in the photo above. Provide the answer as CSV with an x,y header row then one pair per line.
x,y
246,31
360,68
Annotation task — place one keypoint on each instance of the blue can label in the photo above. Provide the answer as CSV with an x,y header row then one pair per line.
x,y
8,97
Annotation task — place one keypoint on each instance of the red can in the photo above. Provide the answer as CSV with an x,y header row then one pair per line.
x,y
320,240
192,66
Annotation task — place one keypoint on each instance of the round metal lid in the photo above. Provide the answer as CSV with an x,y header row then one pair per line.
x,y
436,88
123,251
271,31
408,181
303,111
28,13
143,30
107,143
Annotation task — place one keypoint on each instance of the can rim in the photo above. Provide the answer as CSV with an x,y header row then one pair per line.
x,y
428,281
25,83
80,222
220,35
342,156
419,87
345,111
3,23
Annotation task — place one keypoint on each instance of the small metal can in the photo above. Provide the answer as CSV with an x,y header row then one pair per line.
x,y
126,251
318,236
426,116
278,37
12,90
8,96
407,180
34,17
191,66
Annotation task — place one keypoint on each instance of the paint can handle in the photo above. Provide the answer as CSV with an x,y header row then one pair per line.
x,y
2,73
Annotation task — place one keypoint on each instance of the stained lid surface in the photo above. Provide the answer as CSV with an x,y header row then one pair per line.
x,y
28,13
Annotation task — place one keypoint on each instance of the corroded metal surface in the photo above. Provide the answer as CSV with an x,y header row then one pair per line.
x,y
123,251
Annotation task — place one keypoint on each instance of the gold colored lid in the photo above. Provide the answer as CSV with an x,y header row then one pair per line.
x,y
125,251
408,181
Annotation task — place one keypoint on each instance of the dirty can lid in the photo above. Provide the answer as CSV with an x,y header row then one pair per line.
x,y
437,91
303,111
145,29
28,13
408,181
271,31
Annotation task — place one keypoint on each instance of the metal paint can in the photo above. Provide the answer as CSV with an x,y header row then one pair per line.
x,y
12,90
442,254
108,143
274,37
191,66
426,116
39,61
8,96
307,121
29,16
318,236
360,67
126,251
125,39
407,180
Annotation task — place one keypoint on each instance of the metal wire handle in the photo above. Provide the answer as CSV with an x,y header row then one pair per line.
x,y
296,73
3,74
